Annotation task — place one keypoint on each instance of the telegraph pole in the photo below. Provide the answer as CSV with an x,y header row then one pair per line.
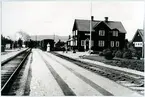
x,y
90,44
54,39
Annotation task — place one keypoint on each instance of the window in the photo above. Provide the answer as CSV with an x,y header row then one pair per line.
x,y
76,32
115,33
101,43
117,43
112,43
75,42
82,42
101,32
138,44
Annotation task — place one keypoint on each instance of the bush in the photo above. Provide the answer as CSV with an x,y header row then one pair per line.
x,y
100,53
114,52
108,54
127,55
105,50
138,55
119,54
134,54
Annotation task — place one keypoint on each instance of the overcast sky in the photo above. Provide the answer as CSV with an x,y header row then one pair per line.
x,y
49,17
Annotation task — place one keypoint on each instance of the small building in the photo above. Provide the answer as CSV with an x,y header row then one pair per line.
x,y
104,34
138,41
47,44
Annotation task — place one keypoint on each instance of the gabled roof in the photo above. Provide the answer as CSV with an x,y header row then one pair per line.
x,y
84,25
141,33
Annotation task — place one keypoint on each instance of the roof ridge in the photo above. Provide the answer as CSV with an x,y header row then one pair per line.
x,y
97,20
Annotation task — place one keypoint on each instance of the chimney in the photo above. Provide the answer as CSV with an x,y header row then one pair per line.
x,y
92,18
106,19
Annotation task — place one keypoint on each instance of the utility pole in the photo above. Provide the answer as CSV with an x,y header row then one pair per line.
x,y
54,39
36,40
90,44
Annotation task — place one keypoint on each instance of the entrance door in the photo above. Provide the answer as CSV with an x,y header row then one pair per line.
x,y
87,45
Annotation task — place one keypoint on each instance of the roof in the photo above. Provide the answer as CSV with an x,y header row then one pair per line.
x,y
141,32
84,25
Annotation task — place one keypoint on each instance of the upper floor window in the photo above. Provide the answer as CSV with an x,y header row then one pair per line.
x,y
101,32
76,32
115,33
117,43
112,43
101,43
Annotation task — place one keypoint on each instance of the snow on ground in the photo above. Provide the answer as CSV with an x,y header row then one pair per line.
x,y
42,81
82,82
11,54
76,56
76,84
105,83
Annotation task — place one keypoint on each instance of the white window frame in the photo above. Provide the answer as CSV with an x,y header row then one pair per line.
x,y
115,33
101,32
82,42
112,43
73,33
138,44
76,32
117,43
101,43
75,42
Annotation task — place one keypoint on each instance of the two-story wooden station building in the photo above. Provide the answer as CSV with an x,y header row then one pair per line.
x,y
105,34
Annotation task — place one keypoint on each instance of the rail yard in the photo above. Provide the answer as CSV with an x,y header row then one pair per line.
x,y
35,72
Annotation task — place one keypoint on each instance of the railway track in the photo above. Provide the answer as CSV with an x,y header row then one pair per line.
x,y
10,69
129,80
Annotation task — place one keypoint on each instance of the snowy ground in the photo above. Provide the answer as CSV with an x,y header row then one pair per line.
x,y
53,76
9,50
11,54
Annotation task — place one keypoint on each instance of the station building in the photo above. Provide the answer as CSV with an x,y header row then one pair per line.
x,y
105,34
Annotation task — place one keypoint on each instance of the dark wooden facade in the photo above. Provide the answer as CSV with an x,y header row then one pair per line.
x,y
138,41
79,35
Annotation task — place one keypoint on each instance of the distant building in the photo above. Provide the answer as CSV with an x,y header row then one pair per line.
x,y
138,41
105,34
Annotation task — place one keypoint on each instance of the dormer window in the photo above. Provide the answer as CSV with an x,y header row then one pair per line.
x,y
101,32
115,33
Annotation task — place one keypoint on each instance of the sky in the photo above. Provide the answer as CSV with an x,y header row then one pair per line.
x,y
57,17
